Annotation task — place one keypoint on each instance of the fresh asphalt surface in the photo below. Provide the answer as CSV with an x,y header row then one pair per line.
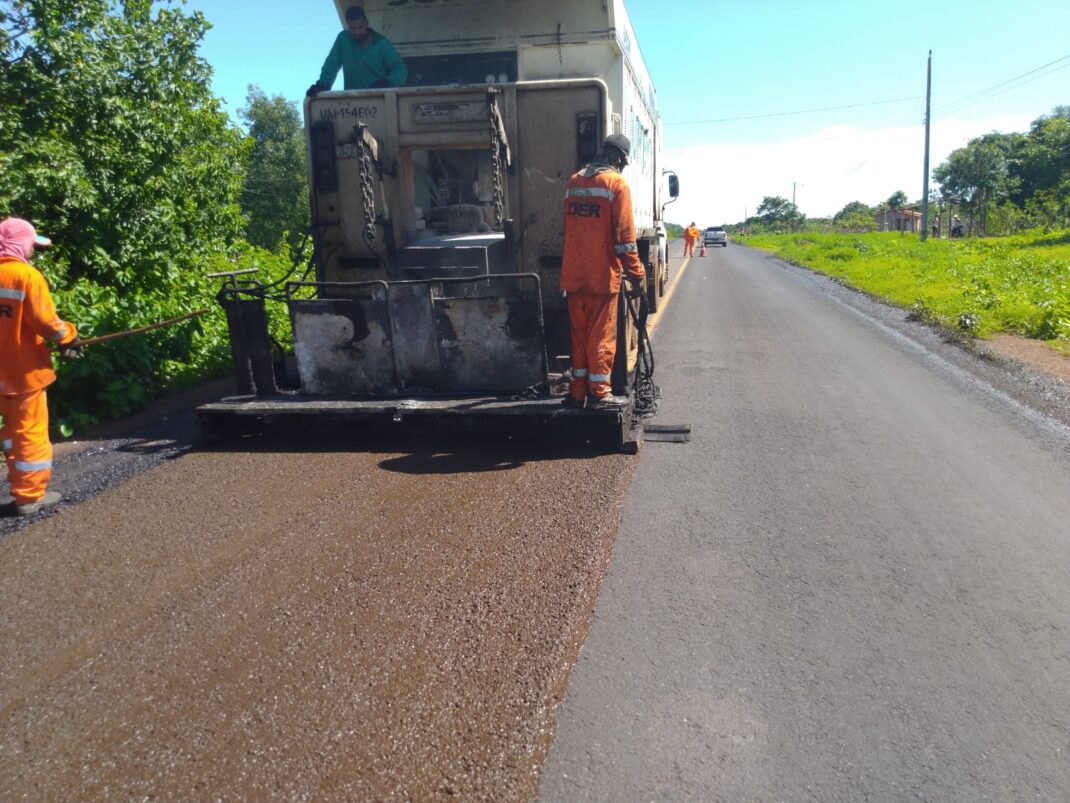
x,y
853,583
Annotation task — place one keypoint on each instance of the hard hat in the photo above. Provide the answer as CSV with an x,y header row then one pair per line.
x,y
620,142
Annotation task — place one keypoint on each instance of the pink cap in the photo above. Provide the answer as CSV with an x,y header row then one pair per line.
x,y
18,238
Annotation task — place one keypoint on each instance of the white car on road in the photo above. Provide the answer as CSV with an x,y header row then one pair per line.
x,y
715,235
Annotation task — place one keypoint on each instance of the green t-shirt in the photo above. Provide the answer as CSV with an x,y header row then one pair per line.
x,y
363,66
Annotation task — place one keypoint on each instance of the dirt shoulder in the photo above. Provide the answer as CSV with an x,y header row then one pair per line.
x,y
1035,353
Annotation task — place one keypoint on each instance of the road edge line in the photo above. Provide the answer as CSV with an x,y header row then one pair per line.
x,y
655,319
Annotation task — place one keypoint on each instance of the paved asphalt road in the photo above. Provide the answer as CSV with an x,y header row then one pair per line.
x,y
853,584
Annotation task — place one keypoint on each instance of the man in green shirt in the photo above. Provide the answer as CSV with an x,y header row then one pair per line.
x,y
366,58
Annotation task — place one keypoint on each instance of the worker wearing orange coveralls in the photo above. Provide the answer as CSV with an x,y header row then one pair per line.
x,y
28,323
599,251
691,235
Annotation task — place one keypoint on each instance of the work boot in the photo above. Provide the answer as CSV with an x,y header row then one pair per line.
x,y
573,403
50,498
607,402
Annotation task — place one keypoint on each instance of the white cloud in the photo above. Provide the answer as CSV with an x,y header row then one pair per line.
x,y
831,167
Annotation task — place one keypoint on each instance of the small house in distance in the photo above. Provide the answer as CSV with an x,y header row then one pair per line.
x,y
899,220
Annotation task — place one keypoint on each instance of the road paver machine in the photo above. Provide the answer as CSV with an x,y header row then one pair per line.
x,y
437,223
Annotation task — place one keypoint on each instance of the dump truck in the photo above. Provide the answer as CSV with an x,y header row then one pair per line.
x,y
436,218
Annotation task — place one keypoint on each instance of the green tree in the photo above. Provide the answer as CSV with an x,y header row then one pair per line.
x,y
850,210
897,200
976,176
779,213
111,141
1042,167
275,196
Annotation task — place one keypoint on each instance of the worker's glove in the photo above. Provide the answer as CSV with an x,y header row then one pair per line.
x,y
71,351
315,89
633,287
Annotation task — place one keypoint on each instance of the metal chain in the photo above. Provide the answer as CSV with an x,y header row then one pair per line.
x,y
367,189
496,159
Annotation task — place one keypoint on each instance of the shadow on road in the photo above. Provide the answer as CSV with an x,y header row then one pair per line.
x,y
89,467
412,451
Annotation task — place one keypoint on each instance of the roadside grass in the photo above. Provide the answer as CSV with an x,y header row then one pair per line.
x,y
1017,284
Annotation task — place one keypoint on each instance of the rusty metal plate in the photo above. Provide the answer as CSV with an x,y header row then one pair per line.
x,y
490,344
343,346
444,336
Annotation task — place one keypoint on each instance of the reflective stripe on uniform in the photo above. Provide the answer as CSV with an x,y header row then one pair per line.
x,y
625,248
589,192
42,465
599,377
8,444
18,295
580,373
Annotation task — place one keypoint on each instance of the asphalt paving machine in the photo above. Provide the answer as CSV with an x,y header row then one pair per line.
x,y
437,226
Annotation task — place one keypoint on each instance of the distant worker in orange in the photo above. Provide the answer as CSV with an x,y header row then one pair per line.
x,y
691,235
28,323
599,252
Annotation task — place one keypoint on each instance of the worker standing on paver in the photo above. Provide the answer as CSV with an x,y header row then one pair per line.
x,y
599,251
366,58
691,235
28,323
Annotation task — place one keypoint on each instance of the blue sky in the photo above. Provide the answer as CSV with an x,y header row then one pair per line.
x,y
716,60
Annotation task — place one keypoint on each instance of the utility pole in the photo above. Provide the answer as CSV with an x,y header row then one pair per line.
x,y
793,193
928,123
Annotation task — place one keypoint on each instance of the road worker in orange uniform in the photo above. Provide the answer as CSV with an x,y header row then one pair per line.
x,y
691,235
599,252
28,323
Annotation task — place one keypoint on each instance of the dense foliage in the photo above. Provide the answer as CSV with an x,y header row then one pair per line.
x,y
112,143
1010,182
1017,284
275,193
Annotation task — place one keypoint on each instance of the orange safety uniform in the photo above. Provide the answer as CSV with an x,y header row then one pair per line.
x,y
599,249
691,235
28,323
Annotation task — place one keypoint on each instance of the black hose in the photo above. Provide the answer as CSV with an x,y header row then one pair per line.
x,y
647,394
264,291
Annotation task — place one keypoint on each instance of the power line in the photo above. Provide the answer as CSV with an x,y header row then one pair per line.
x,y
980,95
801,111
1004,86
